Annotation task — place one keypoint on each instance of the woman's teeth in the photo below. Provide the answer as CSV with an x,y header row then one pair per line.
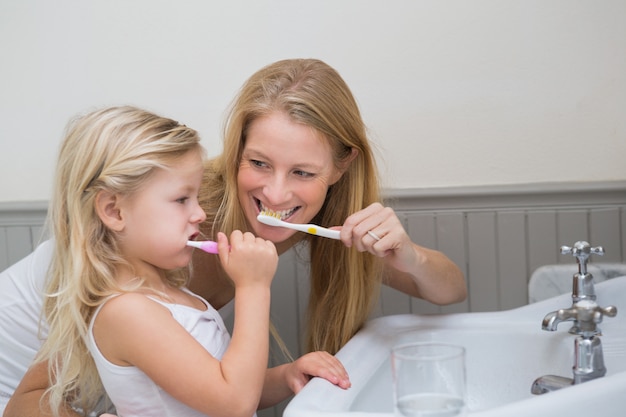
x,y
281,214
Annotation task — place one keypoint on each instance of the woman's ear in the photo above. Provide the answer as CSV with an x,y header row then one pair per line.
x,y
343,165
107,208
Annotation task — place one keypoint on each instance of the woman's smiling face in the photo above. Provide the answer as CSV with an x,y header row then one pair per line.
x,y
286,167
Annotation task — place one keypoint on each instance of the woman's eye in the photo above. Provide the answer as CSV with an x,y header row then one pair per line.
x,y
304,174
257,163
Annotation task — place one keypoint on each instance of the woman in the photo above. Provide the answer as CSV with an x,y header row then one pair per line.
x,y
295,144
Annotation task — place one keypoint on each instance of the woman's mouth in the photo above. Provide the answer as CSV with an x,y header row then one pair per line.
x,y
281,214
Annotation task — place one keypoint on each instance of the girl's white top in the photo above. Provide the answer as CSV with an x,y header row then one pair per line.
x,y
133,392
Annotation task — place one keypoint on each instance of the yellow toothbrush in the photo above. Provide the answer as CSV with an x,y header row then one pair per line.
x,y
272,219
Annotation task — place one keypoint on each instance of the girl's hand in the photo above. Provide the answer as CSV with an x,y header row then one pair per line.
x,y
248,260
316,364
378,230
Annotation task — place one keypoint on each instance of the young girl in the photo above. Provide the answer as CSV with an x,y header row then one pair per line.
x,y
119,315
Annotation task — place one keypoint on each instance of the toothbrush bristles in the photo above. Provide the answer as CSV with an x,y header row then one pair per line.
x,y
270,213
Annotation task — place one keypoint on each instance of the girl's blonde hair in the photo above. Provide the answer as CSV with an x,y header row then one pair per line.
x,y
344,282
115,150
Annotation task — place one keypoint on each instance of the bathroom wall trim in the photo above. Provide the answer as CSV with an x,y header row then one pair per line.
x,y
509,196
22,213
514,196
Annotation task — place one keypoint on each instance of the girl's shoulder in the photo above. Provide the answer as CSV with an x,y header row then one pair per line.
x,y
126,299
127,325
130,308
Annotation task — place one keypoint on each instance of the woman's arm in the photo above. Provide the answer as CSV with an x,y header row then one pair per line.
x,y
434,277
410,268
29,400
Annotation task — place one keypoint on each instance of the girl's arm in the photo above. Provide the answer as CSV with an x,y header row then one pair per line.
x,y
134,330
410,268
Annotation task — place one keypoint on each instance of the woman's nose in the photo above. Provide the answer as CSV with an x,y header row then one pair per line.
x,y
277,191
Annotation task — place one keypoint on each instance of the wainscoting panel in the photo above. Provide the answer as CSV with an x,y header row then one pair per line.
x,y
511,259
497,235
21,230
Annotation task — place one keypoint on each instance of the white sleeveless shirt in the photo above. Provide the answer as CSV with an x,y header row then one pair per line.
x,y
133,392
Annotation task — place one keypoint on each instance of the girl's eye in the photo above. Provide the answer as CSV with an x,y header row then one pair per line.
x,y
182,200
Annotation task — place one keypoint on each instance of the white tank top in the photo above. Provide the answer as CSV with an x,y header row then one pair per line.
x,y
133,392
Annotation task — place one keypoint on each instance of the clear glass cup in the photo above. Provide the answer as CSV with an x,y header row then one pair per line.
x,y
428,379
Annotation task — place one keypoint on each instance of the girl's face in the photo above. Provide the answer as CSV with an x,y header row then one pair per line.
x,y
286,167
162,215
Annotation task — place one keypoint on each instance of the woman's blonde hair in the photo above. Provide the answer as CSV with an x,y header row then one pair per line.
x,y
114,150
344,282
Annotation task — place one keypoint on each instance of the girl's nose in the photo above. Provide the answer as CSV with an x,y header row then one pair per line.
x,y
198,215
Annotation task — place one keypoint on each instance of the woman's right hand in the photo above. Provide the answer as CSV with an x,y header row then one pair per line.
x,y
248,260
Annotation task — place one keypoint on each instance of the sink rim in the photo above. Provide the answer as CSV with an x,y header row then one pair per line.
x,y
378,331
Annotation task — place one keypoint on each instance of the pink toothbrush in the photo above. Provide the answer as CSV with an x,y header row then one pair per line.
x,y
208,245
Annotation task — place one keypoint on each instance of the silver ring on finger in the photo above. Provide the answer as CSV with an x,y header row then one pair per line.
x,y
373,235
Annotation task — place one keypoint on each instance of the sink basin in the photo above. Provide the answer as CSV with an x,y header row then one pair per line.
x,y
505,352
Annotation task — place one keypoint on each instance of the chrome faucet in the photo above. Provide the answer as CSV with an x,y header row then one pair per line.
x,y
582,283
582,288
586,314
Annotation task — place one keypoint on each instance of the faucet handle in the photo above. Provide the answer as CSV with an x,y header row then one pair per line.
x,y
582,251
610,311
588,315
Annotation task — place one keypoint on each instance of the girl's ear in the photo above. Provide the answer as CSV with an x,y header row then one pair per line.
x,y
344,165
107,208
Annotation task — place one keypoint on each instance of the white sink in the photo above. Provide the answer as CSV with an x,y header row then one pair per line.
x,y
505,352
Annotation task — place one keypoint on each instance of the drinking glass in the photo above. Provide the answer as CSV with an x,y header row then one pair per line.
x,y
428,379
